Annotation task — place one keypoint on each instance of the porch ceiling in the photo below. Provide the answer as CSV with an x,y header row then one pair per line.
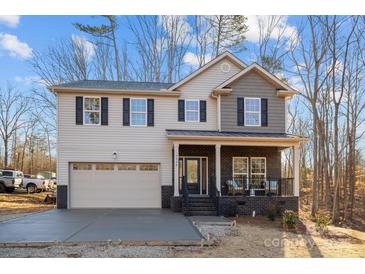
x,y
233,138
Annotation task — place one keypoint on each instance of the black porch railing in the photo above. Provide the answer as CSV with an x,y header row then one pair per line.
x,y
256,186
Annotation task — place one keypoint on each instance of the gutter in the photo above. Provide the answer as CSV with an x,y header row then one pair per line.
x,y
114,91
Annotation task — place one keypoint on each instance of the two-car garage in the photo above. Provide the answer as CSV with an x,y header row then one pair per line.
x,y
115,185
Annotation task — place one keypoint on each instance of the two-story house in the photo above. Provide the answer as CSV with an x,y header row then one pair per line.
x,y
209,143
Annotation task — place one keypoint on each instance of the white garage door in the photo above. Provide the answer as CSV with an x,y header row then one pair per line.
x,y
105,185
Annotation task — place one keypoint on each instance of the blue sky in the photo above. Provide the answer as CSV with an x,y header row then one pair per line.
x,y
25,34
38,32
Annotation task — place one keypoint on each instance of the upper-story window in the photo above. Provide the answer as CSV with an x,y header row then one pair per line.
x,y
192,110
138,112
252,112
92,110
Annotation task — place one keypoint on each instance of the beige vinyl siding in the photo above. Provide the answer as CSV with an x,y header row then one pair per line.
x,y
77,143
253,85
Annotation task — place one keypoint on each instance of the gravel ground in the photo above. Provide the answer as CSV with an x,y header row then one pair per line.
x,y
217,231
88,251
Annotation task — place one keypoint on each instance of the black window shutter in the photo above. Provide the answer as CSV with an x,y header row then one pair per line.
x,y
150,112
126,120
181,112
203,111
264,111
79,110
240,111
104,111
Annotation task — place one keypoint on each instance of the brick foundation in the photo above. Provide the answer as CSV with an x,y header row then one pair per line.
x,y
61,196
245,205
176,204
166,193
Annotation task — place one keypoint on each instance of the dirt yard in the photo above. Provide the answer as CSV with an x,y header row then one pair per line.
x,y
259,237
20,203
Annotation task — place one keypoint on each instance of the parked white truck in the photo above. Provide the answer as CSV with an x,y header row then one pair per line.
x,y
10,180
34,184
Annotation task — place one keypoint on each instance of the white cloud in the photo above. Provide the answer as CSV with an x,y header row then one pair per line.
x,y
192,60
29,80
14,47
86,45
10,20
281,29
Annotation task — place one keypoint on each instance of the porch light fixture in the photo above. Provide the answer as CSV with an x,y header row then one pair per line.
x,y
115,155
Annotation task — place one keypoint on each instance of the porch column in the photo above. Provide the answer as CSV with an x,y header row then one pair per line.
x,y
176,169
296,173
218,166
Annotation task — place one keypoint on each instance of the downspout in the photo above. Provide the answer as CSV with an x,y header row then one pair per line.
x,y
218,97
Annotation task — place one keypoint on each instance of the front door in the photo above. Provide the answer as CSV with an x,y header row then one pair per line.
x,y
192,172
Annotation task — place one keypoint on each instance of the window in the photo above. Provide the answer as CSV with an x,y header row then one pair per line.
x,y
7,173
104,166
127,167
258,171
138,112
252,112
92,110
148,167
82,166
240,170
192,110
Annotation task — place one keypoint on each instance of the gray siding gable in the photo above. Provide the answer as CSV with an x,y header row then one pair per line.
x,y
253,85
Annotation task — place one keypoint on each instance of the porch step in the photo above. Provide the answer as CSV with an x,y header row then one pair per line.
x,y
200,213
200,206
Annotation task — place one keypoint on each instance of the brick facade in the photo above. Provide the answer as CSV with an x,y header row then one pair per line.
x,y
232,205
166,193
245,205
272,154
176,203
61,197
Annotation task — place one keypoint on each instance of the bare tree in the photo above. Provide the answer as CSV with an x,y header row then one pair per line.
x,y
13,107
150,43
201,41
178,38
309,59
275,40
65,61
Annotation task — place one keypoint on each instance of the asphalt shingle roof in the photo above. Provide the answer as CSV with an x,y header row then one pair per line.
x,y
125,85
174,132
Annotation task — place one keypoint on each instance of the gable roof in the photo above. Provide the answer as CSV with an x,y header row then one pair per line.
x,y
226,54
117,85
263,72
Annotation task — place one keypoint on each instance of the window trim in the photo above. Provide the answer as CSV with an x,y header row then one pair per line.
x,y
137,112
247,168
255,112
97,111
256,158
198,111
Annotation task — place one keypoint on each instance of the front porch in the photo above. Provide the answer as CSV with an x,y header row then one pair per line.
x,y
245,174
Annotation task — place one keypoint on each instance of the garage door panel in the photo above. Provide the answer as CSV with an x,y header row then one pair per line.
x,y
115,189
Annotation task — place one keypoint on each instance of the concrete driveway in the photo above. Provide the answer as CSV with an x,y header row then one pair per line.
x,y
78,225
